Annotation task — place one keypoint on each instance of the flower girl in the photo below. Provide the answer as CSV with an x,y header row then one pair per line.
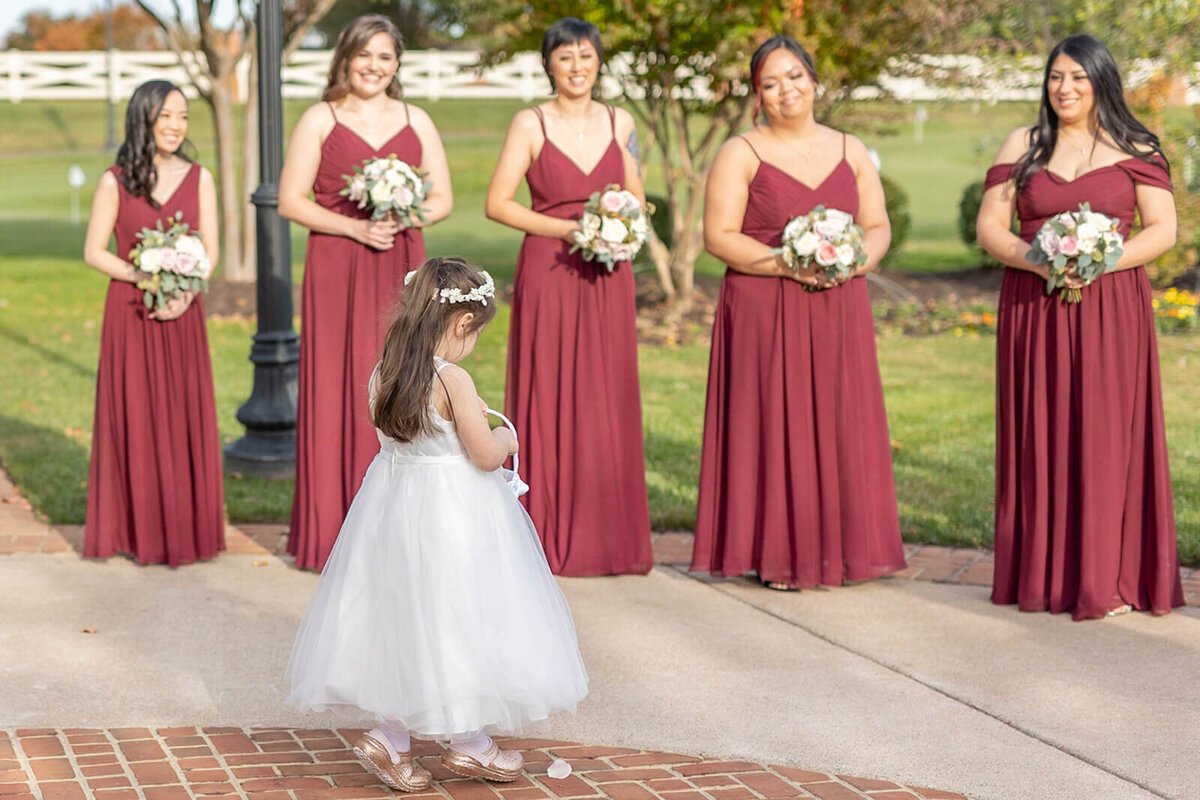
x,y
437,615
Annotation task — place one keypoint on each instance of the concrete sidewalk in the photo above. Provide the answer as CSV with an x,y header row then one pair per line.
x,y
917,683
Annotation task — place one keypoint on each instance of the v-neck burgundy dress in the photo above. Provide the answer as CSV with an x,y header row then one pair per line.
x,y
349,292
796,471
1085,521
572,385
154,487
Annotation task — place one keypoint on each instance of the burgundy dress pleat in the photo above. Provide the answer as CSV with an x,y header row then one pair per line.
x,y
154,485
796,473
572,385
349,292
1085,521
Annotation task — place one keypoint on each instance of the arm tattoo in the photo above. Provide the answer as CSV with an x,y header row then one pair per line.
x,y
631,144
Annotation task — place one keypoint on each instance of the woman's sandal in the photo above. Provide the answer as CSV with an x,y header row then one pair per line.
x,y
779,586
495,764
403,775
1119,611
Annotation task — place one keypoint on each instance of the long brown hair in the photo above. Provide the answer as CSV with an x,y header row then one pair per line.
x,y
406,368
350,42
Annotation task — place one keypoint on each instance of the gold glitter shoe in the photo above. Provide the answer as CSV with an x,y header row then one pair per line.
x,y
403,775
495,764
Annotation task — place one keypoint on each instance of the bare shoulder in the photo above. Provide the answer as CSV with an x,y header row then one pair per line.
x,y
418,116
624,120
107,181
457,379
525,121
317,120
856,150
206,178
1015,146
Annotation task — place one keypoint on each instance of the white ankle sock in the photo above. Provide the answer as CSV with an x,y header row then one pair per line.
x,y
394,737
473,744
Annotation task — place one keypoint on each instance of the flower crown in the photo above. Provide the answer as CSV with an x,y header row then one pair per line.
x,y
479,294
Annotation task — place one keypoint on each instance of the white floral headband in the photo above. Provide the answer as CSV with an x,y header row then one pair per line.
x,y
479,294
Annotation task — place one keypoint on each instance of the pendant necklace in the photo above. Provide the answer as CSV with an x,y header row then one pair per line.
x,y
792,147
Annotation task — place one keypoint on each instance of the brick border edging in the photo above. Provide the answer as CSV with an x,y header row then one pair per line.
x,y
221,763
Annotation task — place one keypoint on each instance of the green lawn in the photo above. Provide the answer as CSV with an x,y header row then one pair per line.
x,y
939,389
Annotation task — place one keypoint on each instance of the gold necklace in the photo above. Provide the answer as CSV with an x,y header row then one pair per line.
x,y
790,146
579,133
1083,151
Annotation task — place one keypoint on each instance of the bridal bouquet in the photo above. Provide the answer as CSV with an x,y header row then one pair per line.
x,y
827,236
1083,240
613,228
174,259
388,186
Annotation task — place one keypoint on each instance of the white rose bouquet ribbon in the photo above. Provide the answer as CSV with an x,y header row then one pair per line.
x,y
828,237
175,260
613,228
388,186
1086,241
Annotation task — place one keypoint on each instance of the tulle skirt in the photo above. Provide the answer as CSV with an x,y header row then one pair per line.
x,y
437,609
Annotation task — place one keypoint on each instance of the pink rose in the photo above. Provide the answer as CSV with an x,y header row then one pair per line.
x,y
611,202
185,263
358,187
1069,245
826,254
1049,241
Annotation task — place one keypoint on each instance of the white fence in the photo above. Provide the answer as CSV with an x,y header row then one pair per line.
x,y
434,75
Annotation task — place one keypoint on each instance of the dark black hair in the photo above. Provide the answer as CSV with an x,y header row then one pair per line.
x,y
136,155
1112,115
569,30
779,42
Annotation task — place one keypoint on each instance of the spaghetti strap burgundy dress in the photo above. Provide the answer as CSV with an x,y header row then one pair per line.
x,y
349,290
1085,520
154,486
796,472
572,385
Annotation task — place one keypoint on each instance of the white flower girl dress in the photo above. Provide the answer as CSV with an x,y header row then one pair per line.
x,y
436,609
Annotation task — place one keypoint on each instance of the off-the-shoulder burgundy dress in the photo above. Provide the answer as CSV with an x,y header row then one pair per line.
x,y
1084,517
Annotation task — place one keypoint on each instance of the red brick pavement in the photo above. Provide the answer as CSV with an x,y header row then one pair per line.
x,y
293,764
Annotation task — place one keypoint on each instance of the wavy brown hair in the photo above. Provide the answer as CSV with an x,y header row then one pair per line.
x,y
350,42
136,154
406,369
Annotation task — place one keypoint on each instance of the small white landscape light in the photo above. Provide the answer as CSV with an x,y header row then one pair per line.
x,y
75,179
919,118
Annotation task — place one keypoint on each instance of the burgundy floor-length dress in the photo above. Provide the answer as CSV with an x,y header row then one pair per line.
x,y
154,487
572,385
1085,521
796,473
349,291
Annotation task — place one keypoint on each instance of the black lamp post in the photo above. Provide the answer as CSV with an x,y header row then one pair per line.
x,y
269,446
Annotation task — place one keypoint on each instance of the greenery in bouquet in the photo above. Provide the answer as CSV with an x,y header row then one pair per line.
x,y
175,260
388,186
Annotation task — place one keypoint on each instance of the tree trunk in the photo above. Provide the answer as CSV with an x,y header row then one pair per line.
x,y
230,198
250,171
661,257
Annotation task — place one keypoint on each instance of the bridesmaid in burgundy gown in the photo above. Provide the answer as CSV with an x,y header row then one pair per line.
x,y
572,385
796,473
354,269
154,488
1084,516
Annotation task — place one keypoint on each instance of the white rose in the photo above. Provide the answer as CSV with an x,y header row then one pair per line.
x,y
151,259
839,216
845,255
640,227
829,228
404,197
191,245
375,169
613,230
806,245
629,199
1087,234
590,222
381,194
795,228
1113,240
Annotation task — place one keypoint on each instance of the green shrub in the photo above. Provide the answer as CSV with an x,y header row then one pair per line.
x,y
897,211
968,212
660,220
